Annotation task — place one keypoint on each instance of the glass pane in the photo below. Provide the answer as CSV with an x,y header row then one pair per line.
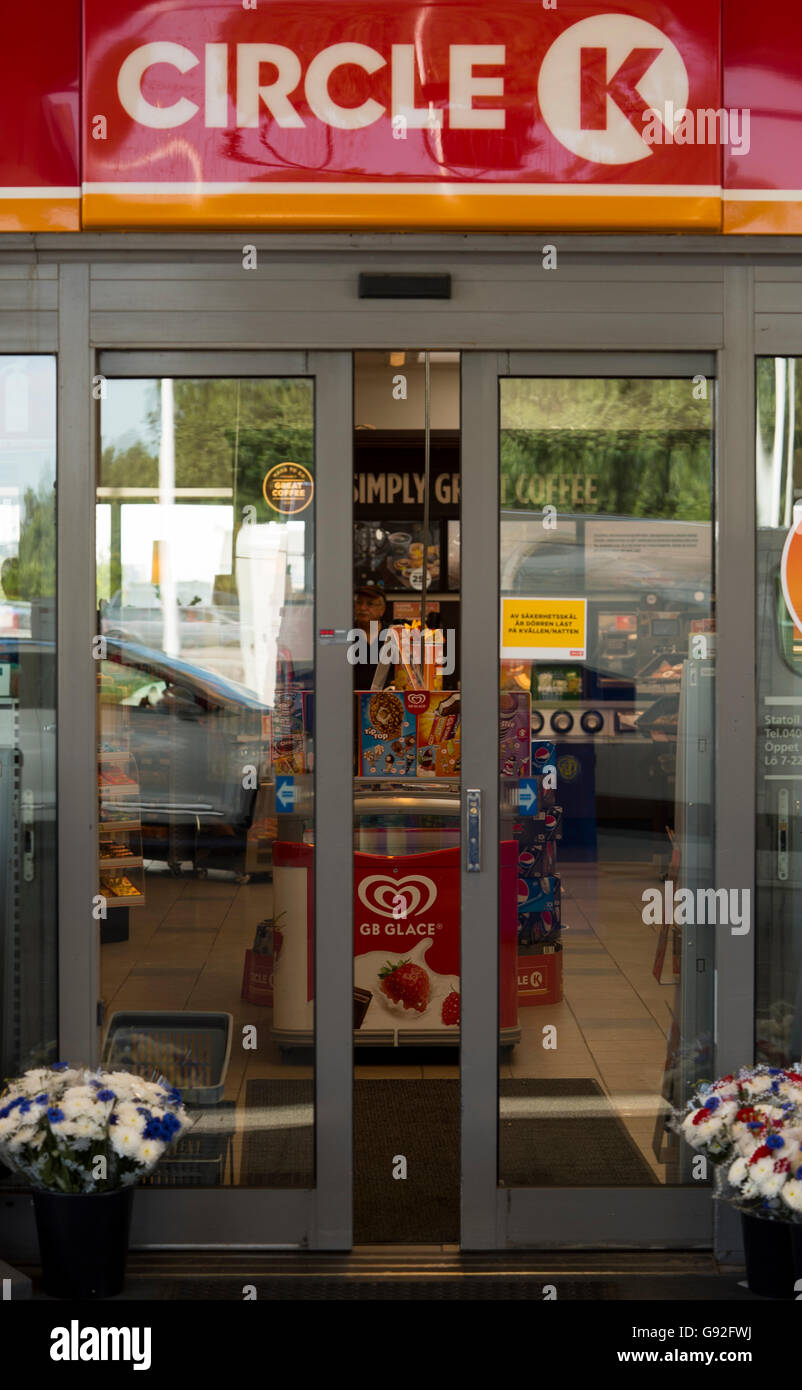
x,y
606,747
205,564
778,1027
28,886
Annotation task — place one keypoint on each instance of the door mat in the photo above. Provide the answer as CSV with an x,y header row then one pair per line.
x,y
565,1133
553,1133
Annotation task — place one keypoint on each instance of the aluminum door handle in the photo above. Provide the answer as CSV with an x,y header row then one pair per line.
x,y
473,829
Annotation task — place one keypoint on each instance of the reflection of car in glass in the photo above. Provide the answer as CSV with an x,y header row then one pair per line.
x,y
140,619
604,554
28,721
191,734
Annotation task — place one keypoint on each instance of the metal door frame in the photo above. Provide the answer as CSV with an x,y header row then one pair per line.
x,y
680,1217
75,319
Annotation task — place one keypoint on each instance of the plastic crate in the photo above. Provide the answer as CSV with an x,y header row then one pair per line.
x,y
200,1158
190,1050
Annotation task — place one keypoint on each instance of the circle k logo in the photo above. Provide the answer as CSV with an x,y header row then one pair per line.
x,y
600,78
397,897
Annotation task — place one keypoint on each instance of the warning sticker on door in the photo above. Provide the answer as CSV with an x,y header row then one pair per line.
x,y
544,628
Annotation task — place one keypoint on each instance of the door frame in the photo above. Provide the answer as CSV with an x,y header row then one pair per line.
x,y
93,291
494,1217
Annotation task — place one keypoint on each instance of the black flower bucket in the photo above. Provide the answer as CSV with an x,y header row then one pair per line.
x,y
769,1257
83,1241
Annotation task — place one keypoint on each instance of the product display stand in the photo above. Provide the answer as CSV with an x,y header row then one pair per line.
x,y
540,925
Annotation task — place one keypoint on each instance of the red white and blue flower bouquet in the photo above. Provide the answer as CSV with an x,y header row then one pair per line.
x,y
749,1125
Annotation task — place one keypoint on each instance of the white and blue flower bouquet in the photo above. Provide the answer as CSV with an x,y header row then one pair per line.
x,y
69,1129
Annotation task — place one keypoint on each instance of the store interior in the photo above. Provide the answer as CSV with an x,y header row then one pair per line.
x,y
207,716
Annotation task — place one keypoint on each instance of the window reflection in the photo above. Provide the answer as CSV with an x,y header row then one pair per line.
x,y
205,607
28,888
606,701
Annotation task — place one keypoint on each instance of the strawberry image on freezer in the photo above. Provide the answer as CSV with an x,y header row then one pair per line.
x,y
405,983
450,1010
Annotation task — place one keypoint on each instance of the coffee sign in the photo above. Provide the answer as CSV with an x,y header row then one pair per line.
x,y
406,489
566,491
288,488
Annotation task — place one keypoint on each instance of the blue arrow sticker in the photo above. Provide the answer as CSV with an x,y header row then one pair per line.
x,y
285,793
528,796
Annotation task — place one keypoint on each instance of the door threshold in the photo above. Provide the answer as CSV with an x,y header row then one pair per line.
x,y
425,1273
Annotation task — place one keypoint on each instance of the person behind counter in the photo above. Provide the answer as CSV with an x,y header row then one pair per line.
x,y
370,606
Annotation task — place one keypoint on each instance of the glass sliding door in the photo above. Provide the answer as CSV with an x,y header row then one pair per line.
x,y
205,546
209,557
602,813
606,744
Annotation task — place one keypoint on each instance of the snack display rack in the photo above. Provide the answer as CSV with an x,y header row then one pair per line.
x,y
535,828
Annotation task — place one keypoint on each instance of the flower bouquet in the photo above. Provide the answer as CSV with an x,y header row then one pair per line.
x,y
749,1125
82,1139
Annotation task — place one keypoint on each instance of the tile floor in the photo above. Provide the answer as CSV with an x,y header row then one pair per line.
x,y
186,951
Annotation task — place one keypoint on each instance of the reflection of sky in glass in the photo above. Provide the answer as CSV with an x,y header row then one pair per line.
x,y
27,430
180,552
124,413
9,521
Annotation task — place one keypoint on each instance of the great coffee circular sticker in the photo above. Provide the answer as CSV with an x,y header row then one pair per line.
x,y
288,488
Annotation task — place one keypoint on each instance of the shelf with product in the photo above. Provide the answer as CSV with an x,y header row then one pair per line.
x,y
120,862
121,871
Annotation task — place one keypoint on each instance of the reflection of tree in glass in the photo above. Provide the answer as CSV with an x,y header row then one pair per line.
x,y
36,569
9,577
646,444
270,420
253,423
779,439
135,466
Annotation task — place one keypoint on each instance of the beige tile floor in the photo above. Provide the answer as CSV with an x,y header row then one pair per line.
x,y
186,951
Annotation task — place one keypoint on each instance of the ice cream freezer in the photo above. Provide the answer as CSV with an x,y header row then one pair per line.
x,y
406,931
